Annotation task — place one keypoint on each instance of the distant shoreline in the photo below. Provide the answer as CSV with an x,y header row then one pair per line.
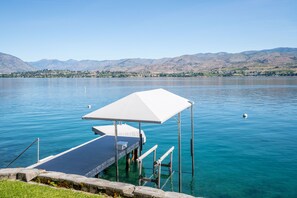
x,y
235,72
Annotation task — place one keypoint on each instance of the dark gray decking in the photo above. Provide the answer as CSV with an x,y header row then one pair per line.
x,y
91,158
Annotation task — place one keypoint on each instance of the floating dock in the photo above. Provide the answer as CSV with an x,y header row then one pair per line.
x,y
90,158
124,130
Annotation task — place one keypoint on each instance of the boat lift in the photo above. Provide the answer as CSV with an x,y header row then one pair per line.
x,y
157,164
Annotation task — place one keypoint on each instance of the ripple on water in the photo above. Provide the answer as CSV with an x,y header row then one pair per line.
x,y
235,157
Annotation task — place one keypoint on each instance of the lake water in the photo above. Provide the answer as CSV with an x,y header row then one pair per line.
x,y
235,157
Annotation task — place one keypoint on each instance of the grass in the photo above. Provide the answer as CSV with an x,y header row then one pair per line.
x,y
9,188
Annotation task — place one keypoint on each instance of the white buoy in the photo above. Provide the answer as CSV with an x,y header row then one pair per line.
x,y
245,115
89,106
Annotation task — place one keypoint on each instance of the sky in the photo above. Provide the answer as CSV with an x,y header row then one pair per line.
x,y
115,29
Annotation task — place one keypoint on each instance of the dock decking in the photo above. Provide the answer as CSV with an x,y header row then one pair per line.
x,y
90,158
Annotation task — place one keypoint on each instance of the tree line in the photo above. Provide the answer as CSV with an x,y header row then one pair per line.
x,y
120,74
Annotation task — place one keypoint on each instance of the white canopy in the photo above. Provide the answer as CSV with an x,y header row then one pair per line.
x,y
154,106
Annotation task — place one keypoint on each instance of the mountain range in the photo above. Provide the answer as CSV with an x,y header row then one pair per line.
x,y
201,62
9,64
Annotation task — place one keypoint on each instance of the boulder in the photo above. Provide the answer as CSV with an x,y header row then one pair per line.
x,y
119,188
177,195
9,173
95,185
148,192
28,174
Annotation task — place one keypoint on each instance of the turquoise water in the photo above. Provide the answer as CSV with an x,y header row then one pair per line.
x,y
235,157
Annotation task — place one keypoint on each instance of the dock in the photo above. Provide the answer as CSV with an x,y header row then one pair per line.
x,y
151,106
90,158
124,130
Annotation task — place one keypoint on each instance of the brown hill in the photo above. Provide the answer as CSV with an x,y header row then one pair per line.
x,y
9,64
202,62
253,61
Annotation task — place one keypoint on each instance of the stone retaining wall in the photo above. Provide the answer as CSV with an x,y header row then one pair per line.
x,y
92,185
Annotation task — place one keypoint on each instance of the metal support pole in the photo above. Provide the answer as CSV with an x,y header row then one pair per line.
x,y
140,174
159,175
170,167
116,149
192,140
154,159
135,154
179,155
140,138
127,162
38,149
